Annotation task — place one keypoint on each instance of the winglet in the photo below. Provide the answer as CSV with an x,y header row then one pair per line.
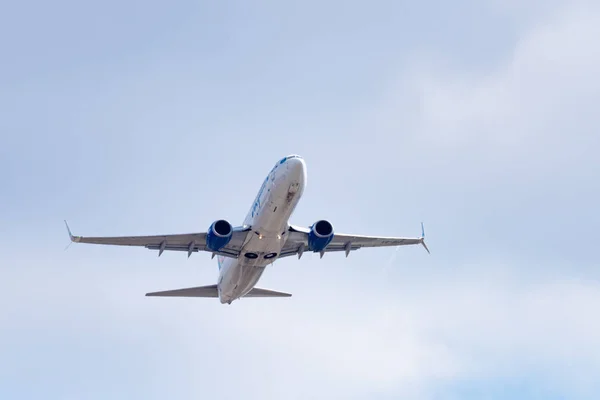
x,y
73,238
423,238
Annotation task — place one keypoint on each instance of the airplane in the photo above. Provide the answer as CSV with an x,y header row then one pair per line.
x,y
243,252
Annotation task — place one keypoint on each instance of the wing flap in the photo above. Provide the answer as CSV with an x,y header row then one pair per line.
x,y
226,251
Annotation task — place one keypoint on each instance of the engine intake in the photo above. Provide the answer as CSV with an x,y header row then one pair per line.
x,y
218,235
320,235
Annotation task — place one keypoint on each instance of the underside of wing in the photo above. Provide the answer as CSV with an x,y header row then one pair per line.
x,y
298,241
189,242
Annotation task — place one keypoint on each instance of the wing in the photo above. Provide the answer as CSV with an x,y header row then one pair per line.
x,y
190,242
297,242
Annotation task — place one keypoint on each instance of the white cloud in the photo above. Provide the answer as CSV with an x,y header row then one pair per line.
x,y
533,113
460,326
413,336
417,338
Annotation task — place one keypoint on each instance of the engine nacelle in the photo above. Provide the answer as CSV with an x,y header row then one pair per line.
x,y
218,235
321,233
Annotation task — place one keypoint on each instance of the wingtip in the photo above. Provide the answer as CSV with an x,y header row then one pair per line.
x,y
423,238
68,229
71,236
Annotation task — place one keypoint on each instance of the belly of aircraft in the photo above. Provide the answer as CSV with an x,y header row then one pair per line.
x,y
267,237
277,207
246,277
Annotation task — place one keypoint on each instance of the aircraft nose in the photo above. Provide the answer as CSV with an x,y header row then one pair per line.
x,y
297,168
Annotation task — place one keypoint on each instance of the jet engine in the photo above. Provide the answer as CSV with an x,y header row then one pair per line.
x,y
321,233
218,235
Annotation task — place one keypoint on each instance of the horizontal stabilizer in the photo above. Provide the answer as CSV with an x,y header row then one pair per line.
x,y
199,291
212,291
257,292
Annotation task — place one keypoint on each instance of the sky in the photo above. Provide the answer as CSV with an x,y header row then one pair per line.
x,y
475,117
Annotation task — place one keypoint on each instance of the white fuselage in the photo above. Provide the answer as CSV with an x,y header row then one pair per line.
x,y
268,217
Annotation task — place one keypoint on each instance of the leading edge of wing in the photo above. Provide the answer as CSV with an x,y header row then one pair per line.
x,y
301,229
134,240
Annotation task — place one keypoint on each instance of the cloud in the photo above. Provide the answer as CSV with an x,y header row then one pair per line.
x,y
533,113
415,339
414,335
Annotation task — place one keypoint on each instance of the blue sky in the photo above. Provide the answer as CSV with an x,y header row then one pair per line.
x,y
478,118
